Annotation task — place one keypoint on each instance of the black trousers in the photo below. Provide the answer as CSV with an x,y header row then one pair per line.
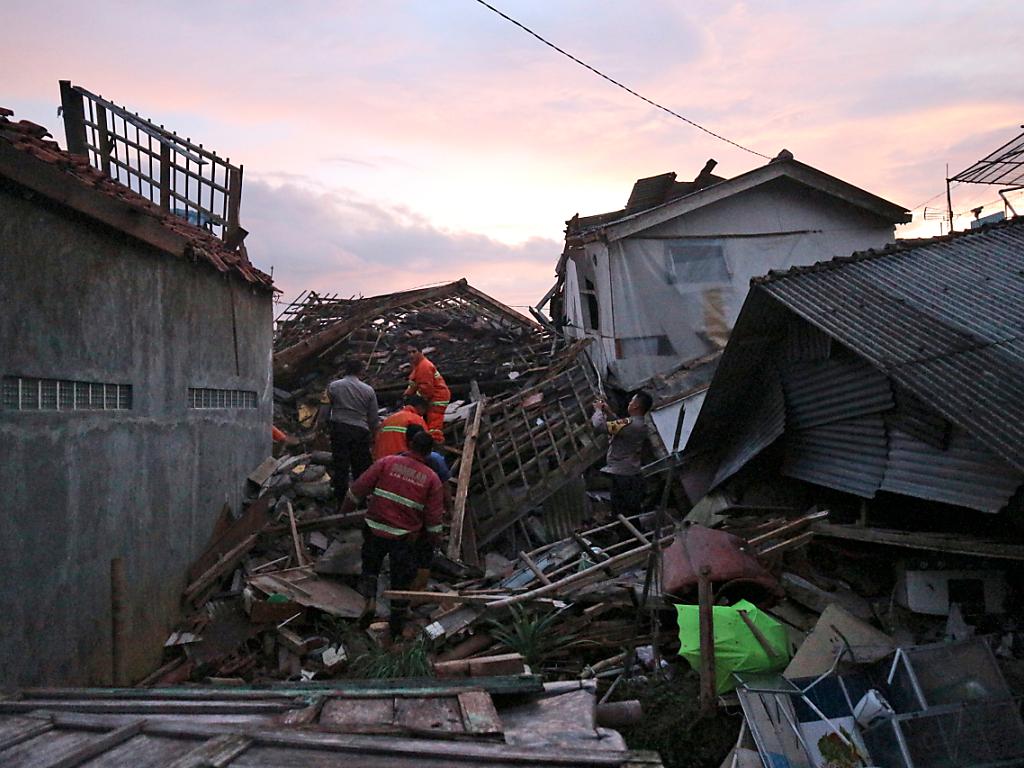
x,y
407,554
627,494
351,448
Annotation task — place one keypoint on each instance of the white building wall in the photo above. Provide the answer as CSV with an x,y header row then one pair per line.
x,y
669,305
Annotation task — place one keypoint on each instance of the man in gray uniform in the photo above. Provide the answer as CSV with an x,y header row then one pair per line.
x,y
353,425
623,461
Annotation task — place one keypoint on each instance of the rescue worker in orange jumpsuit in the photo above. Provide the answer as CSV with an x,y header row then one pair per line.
x,y
427,382
403,521
391,434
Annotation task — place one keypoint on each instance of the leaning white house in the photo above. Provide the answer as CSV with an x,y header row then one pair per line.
x,y
659,284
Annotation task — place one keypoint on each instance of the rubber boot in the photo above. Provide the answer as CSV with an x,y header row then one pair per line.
x,y
367,587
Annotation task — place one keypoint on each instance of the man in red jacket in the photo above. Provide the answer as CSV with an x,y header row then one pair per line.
x,y
404,513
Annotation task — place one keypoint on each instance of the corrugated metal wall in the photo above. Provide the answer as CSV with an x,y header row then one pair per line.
x,y
765,425
965,473
834,390
849,455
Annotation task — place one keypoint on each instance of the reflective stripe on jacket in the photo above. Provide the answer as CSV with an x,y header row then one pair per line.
x,y
405,496
391,436
430,384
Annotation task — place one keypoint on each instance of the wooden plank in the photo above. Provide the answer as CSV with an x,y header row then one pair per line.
x,y
759,636
533,567
465,473
353,520
24,732
959,544
73,109
462,753
624,560
300,554
783,546
214,753
636,532
705,601
96,747
342,713
227,563
429,715
306,588
787,528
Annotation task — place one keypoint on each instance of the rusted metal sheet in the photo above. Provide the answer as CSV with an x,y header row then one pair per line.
x,y
726,557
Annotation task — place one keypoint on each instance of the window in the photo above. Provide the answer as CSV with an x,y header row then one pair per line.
x,y
205,398
644,346
695,263
591,318
21,393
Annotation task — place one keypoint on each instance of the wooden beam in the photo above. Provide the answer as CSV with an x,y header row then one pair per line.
x,y
227,562
95,747
300,554
625,560
73,110
706,604
465,476
637,533
541,576
960,544
759,636
789,527
214,753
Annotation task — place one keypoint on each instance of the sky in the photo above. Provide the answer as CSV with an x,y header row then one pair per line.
x,y
398,143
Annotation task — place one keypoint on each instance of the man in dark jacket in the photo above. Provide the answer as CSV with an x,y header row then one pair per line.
x,y
405,507
626,442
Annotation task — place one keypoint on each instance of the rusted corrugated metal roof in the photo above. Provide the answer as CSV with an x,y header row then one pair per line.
x,y
944,319
30,142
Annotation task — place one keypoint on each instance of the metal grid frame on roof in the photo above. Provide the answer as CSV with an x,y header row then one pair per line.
x,y
1004,166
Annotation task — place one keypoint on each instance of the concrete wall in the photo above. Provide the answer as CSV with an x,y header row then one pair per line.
x,y
81,302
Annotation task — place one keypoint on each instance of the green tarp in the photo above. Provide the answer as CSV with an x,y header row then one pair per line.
x,y
736,647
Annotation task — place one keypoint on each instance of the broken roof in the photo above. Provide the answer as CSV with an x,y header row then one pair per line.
x,y
31,160
315,325
657,199
943,319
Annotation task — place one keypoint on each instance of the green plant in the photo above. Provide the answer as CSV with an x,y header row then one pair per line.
x,y
398,661
531,634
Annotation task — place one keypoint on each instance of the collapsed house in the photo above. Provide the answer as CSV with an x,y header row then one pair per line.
x,y
135,386
659,284
889,372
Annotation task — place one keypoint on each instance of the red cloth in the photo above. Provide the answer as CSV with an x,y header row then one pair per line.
x,y
405,497
391,435
277,435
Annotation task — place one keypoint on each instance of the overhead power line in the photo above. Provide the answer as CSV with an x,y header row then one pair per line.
x,y
615,82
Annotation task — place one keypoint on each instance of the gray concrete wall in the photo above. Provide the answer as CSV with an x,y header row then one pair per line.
x,y
81,302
